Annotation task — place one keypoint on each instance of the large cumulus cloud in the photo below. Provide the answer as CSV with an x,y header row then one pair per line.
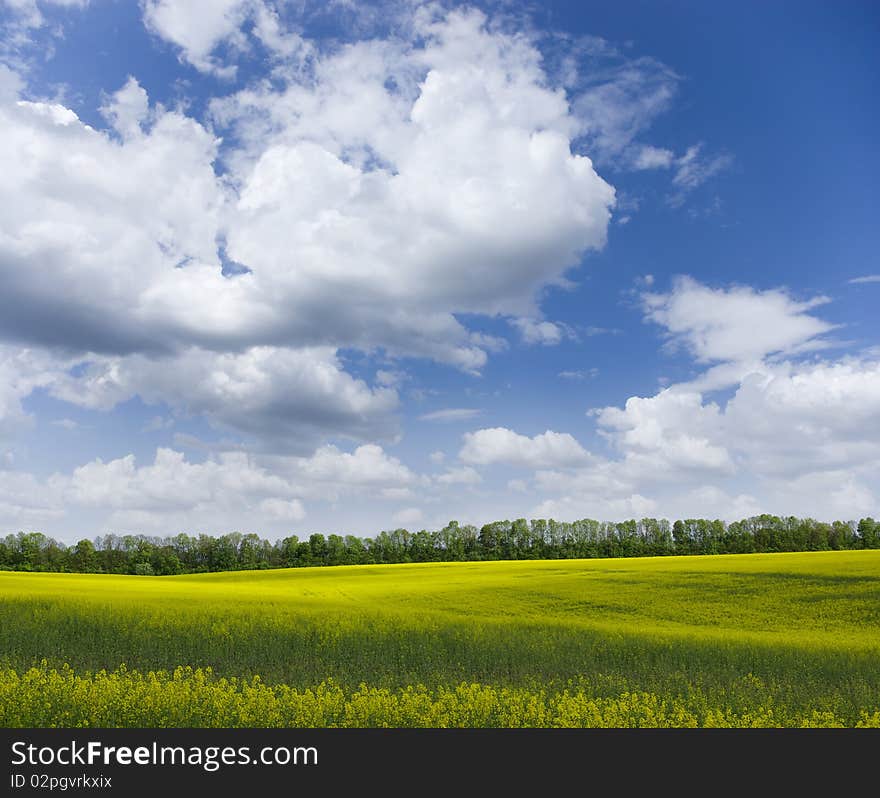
x,y
362,202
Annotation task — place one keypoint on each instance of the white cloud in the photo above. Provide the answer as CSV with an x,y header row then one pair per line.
x,y
668,433
451,414
488,343
501,445
693,169
599,478
868,278
282,398
66,423
397,494
157,424
430,179
459,476
170,483
24,500
578,374
797,419
447,159
11,84
390,378
793,438
53,112
437,457
211,35
375,193
622,103
709,501
283,44
228,490
602,508
592,330
197,27
833,494
282,510
127,109
94,229
736,324
172,493
21,372
28,14
409,515
330,472
546,333
653,158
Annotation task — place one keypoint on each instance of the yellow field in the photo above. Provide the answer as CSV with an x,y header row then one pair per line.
x,y
759,639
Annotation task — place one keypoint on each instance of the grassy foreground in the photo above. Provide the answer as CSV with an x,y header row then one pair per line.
x,y
742,640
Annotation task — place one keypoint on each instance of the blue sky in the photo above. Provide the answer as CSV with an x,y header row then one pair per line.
x,y
292,267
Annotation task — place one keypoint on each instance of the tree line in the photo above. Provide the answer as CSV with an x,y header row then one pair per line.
x,y
499,540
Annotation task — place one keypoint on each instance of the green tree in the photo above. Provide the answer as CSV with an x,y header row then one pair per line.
x,y
869,533
84,558
318,546
336,553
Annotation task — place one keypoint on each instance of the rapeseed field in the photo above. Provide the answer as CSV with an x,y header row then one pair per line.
x,y
732,640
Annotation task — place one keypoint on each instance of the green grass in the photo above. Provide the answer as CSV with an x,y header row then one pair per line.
x,y
795,635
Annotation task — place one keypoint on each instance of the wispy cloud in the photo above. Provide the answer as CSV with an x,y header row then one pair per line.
x,y
158,423
735,327
591,331
868,278
451,414
653,158
622,103
693,169
66,423
582,374
546,333
464,475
